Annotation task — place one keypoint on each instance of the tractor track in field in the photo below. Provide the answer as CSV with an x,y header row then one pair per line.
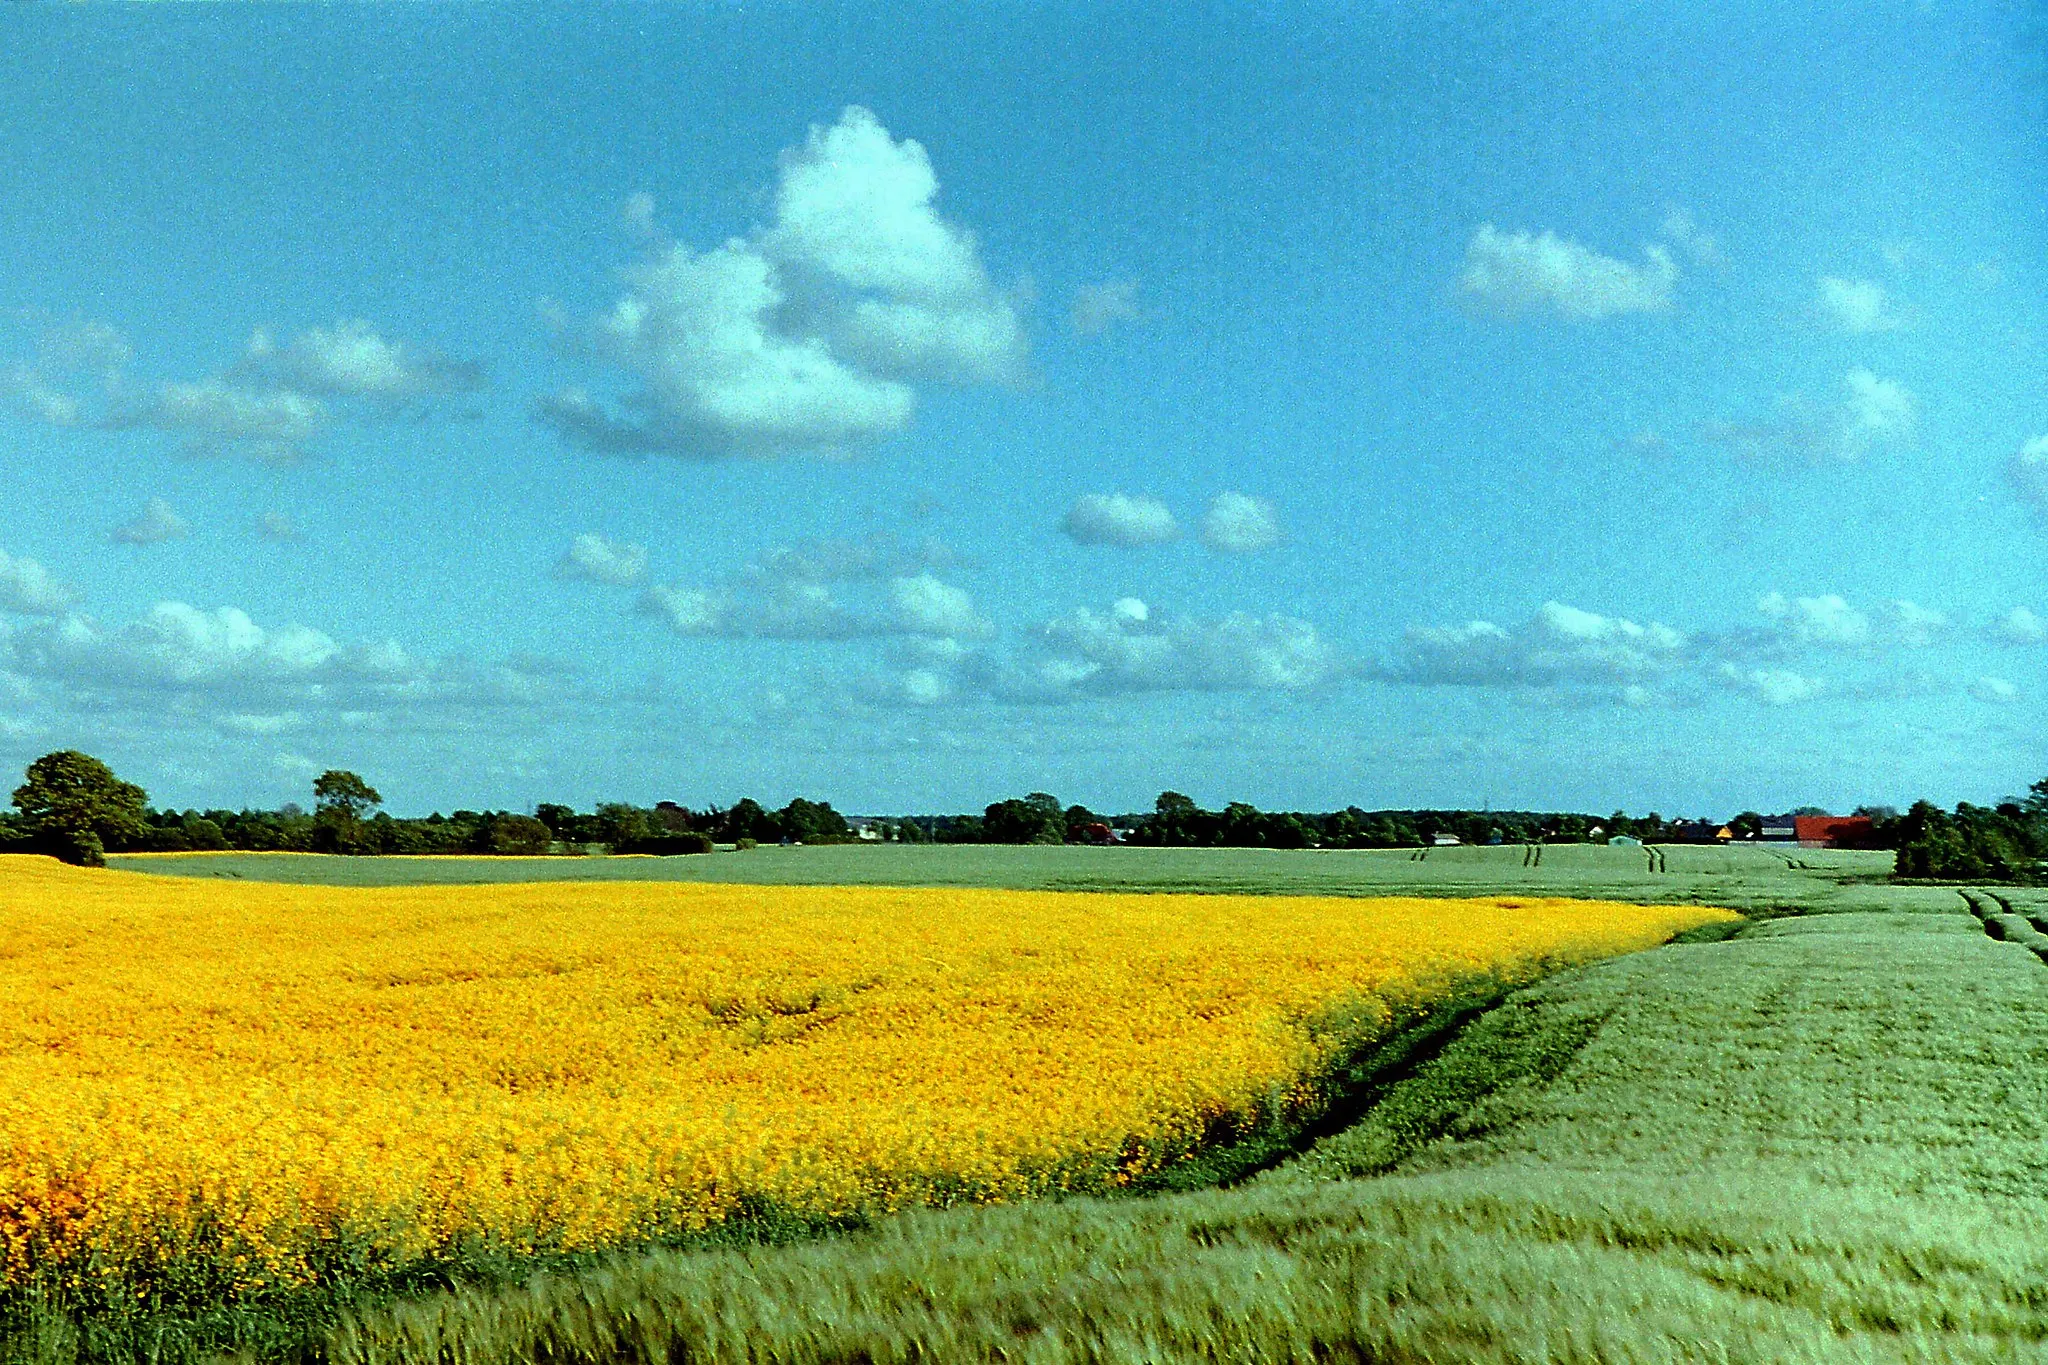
x,y
2005,922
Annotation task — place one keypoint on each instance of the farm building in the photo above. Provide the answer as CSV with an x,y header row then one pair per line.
x,y
1834,831
1701,832
1780,828
1628,839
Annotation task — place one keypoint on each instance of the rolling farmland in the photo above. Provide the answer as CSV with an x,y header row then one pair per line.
x,y
1818,1138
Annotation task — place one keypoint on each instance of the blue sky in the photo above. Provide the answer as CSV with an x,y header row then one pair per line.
x,y
1307,405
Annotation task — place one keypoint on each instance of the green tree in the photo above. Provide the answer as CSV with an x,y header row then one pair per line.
x,y
517,835
341,792
75,806
340,801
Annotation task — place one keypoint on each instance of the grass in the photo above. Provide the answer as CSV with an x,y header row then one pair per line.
x,y
1750,878
1822,1138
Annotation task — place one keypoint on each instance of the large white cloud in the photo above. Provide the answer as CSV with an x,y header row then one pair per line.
x,y
807,336
594,559
1237,523
1119,519
178,645
1559,645
1515,273
29,589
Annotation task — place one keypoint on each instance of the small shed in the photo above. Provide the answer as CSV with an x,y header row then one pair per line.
x,y
1628,840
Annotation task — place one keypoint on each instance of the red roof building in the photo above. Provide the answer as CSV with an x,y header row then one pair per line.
x,y
1833,831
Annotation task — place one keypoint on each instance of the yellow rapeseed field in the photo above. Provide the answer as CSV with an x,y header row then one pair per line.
x,y
260,1085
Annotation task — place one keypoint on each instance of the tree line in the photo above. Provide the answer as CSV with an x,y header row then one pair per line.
x,y
72,805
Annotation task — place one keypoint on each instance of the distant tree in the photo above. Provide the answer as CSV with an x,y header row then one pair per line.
x,y
557,818
1748,825
74,805
340,800
618,824
1036,819
748,819
517,835
1810,810
813,822
341,792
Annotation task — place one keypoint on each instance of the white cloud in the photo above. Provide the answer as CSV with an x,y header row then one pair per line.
x,y
1238,524
2028,472
156,524
39,400
222,416
1559,645
1130,649
807,336
801,593
1119,519
636,216
83,344
180,645
1681,231
1098,307
593,559
1772,686
350,360
1826,620
1853,305
925,606
2021,627
1911,625
1871,413
28,589
1127,648
1995,690
1878,411
1513,273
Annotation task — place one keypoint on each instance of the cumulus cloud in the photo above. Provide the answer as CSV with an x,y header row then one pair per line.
x,y
1510,274
2028,473
1126,648
1238,524
593,559
350,360
1871,413
823,591
1098,307
809,335
1772,686
1119,519
267,406
28,589
180,645
155,524
1853,305
223,416
1559,645
925,606
1826,620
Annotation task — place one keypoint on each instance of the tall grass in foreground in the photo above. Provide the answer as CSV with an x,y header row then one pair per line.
x,y
1821,1141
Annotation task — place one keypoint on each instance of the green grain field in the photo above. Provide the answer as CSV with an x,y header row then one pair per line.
x,y
1823,1137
